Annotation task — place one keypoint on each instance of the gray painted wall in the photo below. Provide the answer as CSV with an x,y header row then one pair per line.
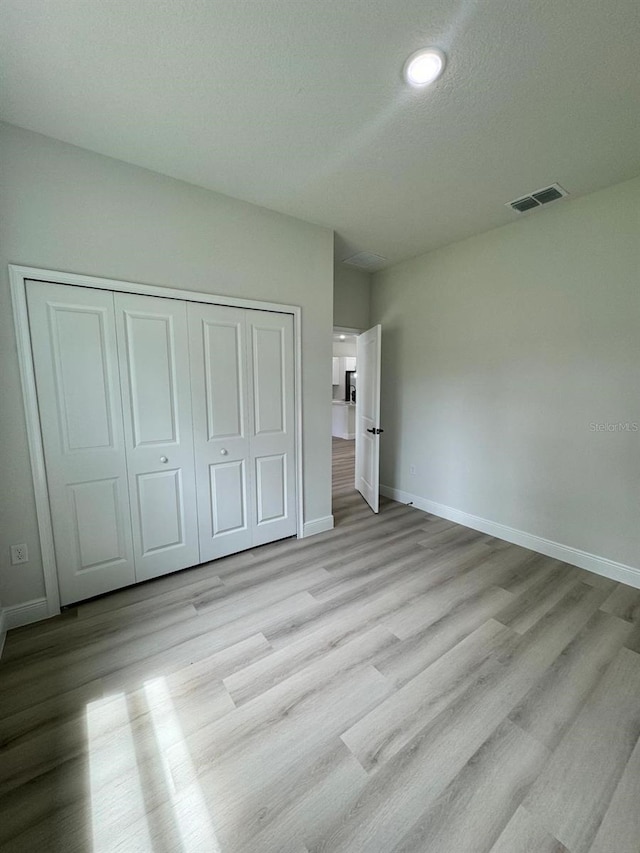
x,y
64,208
351,297
501,352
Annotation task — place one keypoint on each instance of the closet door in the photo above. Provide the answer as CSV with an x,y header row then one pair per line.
x,y
76,366
156,398
272,435
217,344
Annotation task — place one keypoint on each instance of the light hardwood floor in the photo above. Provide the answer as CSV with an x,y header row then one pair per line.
x,y
400,683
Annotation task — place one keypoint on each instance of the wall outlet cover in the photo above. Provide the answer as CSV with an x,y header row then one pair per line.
x,y
19,554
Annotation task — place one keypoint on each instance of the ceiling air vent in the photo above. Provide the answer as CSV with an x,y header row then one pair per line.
x,y
366,261
526,203
538,198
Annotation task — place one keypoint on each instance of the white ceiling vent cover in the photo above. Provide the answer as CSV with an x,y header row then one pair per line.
x,y
537,198
366,261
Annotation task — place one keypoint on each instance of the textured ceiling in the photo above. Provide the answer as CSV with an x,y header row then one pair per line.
x,y
299,105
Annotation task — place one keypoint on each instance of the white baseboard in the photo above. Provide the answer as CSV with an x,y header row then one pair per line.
x,y
23,614
3,630
318,525
583,559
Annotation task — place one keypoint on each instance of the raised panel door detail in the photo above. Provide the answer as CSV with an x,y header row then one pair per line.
x,y
82,378
224,380
272,436
161,511
220,380
366,388
153,343
268,380
271,487
75,359
228,497
369,441
367,462
150,347
97,523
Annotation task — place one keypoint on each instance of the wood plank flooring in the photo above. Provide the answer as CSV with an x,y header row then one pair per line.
x,y
398,684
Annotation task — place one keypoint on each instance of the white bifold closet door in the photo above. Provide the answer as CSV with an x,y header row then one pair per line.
x,y
156,401
73,339
271,424
243,423
168,432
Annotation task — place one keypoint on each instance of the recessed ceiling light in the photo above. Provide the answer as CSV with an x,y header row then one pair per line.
x,y
424,67
343,337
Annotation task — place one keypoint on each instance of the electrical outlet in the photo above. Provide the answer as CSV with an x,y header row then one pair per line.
x,y
19,554
412,470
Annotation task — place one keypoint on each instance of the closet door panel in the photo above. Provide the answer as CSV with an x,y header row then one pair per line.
x,y
219,393
150,344
154,372
271,488
97,514
228,487
272,433
76,365
161,509
223,365
269,365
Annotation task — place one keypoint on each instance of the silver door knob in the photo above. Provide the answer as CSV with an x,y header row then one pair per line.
x,y
164,458
223,452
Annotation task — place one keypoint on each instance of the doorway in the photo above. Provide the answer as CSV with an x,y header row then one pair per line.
x,y
343,403
356,409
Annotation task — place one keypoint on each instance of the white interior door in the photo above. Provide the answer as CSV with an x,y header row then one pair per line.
x,y
156,398
368,348
271,420
75,358
219,390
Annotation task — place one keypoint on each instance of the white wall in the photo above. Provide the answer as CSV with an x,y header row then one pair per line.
x,y
351,297
345,348
499,353
64,208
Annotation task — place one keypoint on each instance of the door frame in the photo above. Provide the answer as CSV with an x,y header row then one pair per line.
x,y
346,330
18,276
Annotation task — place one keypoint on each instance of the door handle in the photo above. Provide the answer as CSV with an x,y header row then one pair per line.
x,y
164,459
375,430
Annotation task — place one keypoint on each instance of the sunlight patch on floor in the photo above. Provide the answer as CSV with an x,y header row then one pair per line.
x,y
119,818
118,813
190,809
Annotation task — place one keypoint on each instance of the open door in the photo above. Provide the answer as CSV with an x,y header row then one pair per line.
x,y
368,415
